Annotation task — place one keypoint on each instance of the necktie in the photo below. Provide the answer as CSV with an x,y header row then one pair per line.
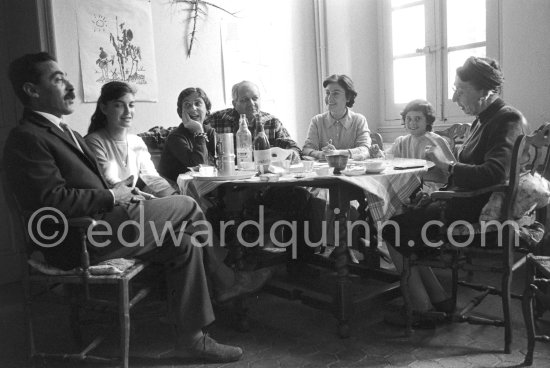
x,y
70,134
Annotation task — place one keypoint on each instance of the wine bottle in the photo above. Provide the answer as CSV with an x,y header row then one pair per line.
x,y
262,152
244,143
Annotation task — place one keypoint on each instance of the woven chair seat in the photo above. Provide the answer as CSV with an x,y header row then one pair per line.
x,y
115,266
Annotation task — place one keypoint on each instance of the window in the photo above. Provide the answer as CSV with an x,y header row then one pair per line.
x,y
424,42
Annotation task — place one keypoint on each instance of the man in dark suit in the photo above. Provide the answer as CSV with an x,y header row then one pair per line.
x,y
50,167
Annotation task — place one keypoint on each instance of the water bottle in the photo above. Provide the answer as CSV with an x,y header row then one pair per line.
x,y
244,143
262,152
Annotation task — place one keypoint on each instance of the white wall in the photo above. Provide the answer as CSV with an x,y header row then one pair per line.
x,y
352,29
526,58
352,42
290,91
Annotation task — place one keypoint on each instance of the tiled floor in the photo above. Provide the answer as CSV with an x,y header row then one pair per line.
x,y
286,334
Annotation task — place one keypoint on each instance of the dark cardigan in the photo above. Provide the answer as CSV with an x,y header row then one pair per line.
x,y
485,156
183,150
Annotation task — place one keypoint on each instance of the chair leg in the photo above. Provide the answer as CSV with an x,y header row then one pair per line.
x,y
75,323
506,301
241,315
124,313
343,292
527,308
405,275
454,282
28,318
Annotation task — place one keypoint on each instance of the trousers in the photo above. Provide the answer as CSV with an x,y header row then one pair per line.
x,y
186,263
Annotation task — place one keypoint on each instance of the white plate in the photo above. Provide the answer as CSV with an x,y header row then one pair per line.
x,y
407,162
375,171
238,175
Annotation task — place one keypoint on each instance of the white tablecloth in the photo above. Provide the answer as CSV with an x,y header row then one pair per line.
x,y
385,192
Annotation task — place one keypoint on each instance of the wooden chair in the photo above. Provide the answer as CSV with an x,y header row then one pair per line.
x,y
529,153
376,138
76,288
455,135
538,277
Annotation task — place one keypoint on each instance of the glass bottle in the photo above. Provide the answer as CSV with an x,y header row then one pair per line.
x,y
262,152
244,143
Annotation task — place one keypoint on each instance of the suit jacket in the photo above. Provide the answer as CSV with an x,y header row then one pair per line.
x,y
46,169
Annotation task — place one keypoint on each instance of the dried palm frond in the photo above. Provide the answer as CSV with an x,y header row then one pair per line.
x,y
197,7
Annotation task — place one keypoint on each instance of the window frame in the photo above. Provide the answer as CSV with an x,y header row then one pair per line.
x,y
436,61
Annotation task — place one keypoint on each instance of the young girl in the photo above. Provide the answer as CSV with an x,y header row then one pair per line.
x,y
418,118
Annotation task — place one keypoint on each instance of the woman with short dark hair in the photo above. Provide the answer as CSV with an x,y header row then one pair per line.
x,y
484,160
339,130
192,142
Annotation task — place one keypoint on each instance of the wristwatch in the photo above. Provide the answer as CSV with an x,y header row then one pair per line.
x,y
451,167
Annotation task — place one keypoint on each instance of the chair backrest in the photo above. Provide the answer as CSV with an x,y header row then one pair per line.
x,y
377,138
455,135
531,153
20,217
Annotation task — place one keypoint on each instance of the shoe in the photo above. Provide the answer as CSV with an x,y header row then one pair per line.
x,y
419,321
446,306
245,283
207,349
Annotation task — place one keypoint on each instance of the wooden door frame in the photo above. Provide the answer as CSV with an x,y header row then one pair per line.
x,y
26,26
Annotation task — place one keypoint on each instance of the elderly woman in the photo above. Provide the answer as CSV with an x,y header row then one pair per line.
x,y
339,130
191,143
484,160
119,153
418,118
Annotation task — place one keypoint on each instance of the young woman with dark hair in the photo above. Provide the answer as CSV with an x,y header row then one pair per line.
x,y
119,153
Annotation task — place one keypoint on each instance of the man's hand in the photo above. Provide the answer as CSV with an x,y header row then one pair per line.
x,y
145,195
125,194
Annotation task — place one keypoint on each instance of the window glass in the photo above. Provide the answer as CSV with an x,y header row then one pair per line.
x,y
465,22
408,30
409,79
395,3
447,32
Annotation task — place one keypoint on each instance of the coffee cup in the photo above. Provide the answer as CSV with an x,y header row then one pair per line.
x,y
205,170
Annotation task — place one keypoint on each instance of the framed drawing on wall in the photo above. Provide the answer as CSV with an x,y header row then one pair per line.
x,y
115,41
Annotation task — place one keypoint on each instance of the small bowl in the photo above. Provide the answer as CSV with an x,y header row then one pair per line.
x,y
374,165
322,171
339,162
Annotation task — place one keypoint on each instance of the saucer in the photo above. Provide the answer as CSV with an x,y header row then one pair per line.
x,y
354,172
375,171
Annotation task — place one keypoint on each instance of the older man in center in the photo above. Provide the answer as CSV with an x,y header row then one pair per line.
x,y
291,203
246,100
